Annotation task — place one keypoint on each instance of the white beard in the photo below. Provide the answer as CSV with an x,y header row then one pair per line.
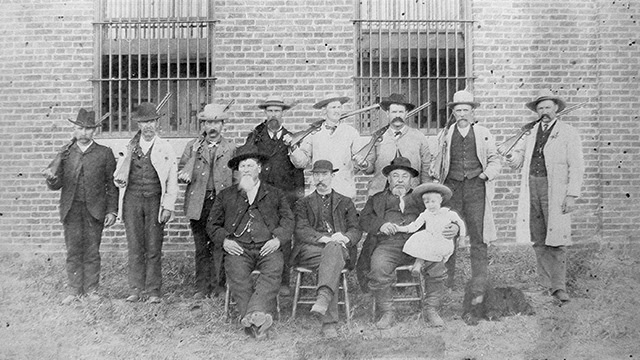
x,y
399,191
246,183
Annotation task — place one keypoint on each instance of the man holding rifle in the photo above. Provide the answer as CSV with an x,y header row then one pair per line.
x,y
400,139
552,168
468,163
204,169
147,176
335,141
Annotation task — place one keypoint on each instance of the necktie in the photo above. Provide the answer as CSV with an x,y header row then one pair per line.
x,y
398,133
331,128
545,127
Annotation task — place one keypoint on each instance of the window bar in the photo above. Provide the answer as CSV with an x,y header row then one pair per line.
x,y
139,35
119,62
129,38
419,73
187,128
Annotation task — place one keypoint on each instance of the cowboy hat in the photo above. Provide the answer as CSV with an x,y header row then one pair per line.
x,y
396,99
275,101
146,111
86,119
543,95
329,98
433,187
213,112
400,163
246,151
323,165
463,97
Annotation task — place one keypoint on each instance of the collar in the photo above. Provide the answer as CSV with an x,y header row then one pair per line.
x,y
553,122
84,148
146,145
463,131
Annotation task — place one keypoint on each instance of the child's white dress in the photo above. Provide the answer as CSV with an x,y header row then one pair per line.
x,y
429,244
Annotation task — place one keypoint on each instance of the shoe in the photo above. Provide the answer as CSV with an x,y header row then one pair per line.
x,y
267,321
154,300
247,320
69,299
198,296
322,302
561,295
133,298
433,318
93,296
329,331
284,290
386,320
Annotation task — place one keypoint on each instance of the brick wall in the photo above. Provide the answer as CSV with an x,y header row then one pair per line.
x,y
587,51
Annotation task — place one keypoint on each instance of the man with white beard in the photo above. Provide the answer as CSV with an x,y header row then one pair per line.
x,y
252,222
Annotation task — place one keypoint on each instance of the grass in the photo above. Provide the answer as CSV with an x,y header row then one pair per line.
x,y
601,322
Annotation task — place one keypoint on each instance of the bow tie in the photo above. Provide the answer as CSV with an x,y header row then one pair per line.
x,y
331,128
397,133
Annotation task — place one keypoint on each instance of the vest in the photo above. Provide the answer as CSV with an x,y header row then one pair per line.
x,y
143,178
464,158
80,194
252,228
538,166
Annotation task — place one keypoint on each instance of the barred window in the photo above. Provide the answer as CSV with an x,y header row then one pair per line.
x,y
145,49
419,48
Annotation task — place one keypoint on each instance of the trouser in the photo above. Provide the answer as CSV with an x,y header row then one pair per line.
x,y
551,260
262,296
468,201
329,260
292,197
82,235
208,258
144,242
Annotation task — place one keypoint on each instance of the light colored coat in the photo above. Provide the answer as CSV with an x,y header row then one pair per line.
x,y
164,162
491,165
565,172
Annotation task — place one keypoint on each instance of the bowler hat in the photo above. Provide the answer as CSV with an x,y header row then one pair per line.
x,y
463,97
543,95
329,98
146,111
323,165
86,119
246,151
275,101
213,112
396,99
400,163
433,187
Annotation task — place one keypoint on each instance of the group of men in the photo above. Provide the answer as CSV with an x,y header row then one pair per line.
x,y
247,210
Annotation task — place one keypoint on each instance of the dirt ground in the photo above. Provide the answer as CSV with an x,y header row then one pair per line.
x,y
601,322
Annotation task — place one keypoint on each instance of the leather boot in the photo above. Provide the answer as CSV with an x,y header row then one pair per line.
x,y
384,301
433,296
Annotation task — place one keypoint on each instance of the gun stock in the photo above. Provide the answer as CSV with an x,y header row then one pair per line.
x,y
361,155
186,174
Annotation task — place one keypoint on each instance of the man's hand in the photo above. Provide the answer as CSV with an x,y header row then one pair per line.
x,y
48,174
450,231
270,246
341,239
389,228
286,138
165,216
120,183
483,176
184,176
325,240
232,247
109,220
569,204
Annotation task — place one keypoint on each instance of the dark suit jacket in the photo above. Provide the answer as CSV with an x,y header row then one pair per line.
x,y
308,219
98,164
231,205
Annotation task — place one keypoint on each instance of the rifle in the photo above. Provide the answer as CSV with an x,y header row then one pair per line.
x,y
121,175
52,169
361,155
505,148
439,159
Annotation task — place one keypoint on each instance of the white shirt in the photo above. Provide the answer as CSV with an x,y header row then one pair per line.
x,y
251,194
146,145
82,147
464,131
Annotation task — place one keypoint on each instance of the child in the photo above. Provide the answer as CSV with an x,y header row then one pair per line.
x,y
429,244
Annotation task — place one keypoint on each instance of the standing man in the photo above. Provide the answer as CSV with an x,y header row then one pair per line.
x,y
398,139
382,251
335,142
252,222
269,139
88,203
148,181
469,164
209,175
552,168
326,235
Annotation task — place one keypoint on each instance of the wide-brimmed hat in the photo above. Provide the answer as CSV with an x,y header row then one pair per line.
x,y
433,187
213,112
396,99
543,95
463,97
146,111
246,151
400,163
86,119
275,101
329,98
323,165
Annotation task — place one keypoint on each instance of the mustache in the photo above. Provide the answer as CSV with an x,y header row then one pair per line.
x,y
320,183
212,132
397,118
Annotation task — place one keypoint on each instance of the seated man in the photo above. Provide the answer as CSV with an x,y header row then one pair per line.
x,y
382,250
326,235
252,221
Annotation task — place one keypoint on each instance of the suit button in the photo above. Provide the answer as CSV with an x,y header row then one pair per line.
x,y
202,174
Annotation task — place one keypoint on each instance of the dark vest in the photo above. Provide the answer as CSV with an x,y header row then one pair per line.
x,y
464,158
538,166
252,227
326,214
143,178
80,194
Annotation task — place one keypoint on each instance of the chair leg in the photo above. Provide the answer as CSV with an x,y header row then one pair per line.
x,y
227,300
347,305
296,294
